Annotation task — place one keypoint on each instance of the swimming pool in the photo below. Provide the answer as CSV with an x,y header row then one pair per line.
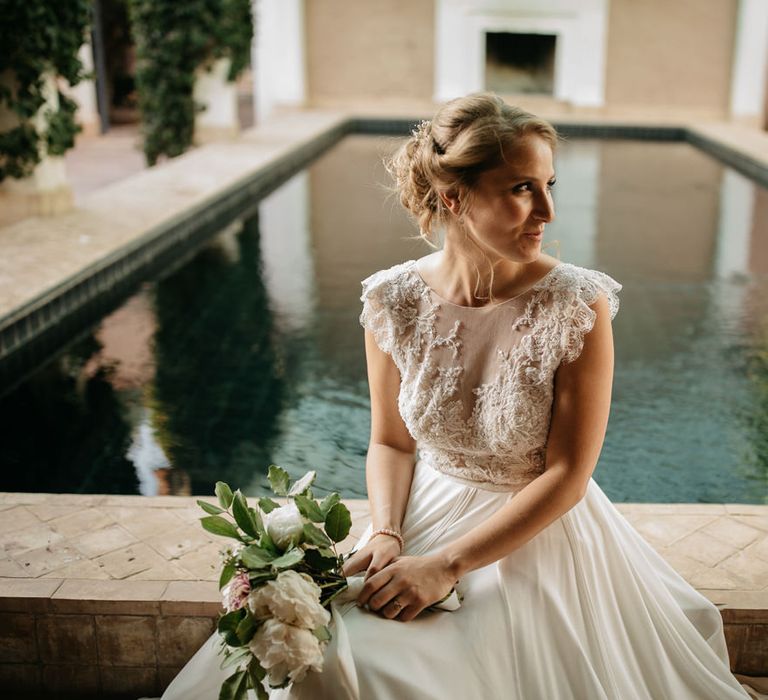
x,y
252,354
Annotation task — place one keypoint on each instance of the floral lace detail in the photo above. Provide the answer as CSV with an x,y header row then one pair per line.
x,y
502,442
391,313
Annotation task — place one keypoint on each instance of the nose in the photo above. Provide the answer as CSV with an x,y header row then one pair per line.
x,y
544,207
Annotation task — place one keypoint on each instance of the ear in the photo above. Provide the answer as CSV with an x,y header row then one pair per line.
x,y
451,200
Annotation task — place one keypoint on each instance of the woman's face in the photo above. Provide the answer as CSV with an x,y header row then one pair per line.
x,y
513,202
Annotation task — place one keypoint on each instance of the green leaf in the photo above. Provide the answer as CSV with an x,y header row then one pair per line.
x,y
314,535
291,557
309,509
255,557
235,687
226,575
257,673
245,629
265,541
216,525
267,504
328,502
261,692
243,516
235,657
257,519
209,507
256,669
303,484
224,494
318,561
228,624
278,480
322,633
257,578
338,522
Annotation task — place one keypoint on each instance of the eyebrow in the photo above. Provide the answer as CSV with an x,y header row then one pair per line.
x,y
529,177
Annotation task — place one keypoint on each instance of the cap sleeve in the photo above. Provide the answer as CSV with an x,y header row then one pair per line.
x,y
376,314
588,285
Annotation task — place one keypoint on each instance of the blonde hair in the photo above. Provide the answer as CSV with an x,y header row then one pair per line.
x,y
464,138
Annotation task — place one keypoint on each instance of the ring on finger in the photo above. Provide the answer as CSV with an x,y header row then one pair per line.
x,y
396,604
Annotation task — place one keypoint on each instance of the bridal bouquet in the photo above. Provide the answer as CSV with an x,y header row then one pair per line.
x,y
278,580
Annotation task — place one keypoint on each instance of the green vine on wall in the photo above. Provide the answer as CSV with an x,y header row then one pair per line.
x,y
38,38
173,40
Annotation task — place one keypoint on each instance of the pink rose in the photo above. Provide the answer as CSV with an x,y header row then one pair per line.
x,y
235,593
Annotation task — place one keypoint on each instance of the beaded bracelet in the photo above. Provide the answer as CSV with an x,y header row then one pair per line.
x,y
393,533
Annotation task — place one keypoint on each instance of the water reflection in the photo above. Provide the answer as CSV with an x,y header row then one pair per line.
x,y
219,386
252,354
66,429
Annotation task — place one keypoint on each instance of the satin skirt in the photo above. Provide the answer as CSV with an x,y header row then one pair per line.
x,y
585,610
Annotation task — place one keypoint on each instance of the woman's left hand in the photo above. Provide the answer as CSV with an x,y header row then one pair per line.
x,y
416,583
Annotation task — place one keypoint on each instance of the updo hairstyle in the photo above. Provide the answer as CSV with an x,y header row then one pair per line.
x,y
466,136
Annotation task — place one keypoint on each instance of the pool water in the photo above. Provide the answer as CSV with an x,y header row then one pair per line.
x,y
252,354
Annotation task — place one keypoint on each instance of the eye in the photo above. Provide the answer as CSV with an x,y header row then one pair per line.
x,y
528,186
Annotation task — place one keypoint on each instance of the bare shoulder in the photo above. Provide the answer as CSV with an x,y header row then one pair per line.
x,y
429,262
545,263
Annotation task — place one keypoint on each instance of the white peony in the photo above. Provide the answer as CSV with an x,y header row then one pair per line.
x,y
293,598
285,526
286,651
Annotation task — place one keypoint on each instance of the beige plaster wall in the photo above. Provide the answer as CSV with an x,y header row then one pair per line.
x,y
673,56
357,50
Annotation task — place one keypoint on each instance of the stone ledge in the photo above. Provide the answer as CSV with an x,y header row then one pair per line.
x,y
122,609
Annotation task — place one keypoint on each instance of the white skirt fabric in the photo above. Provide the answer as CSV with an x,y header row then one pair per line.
x,y
586,610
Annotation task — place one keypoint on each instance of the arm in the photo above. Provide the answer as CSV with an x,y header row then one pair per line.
x,y
581,404
390,462
391,449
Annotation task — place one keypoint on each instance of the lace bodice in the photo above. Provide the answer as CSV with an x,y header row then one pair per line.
x,y
476,383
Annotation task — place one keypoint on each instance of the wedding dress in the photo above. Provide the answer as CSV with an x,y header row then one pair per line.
x,y
586,609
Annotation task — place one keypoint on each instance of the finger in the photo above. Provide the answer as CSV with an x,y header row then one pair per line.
x,y
373,584
391,611
377,564
408,613
357,562
383,598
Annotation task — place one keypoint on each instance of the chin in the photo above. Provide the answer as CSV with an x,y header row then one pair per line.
x,y
532,254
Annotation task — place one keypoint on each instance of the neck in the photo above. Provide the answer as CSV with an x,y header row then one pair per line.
x,y
472,271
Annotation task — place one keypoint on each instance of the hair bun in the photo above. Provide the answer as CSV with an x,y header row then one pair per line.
x,y
465,136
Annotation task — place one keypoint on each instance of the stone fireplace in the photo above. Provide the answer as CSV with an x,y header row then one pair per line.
x,y
520,63
551,48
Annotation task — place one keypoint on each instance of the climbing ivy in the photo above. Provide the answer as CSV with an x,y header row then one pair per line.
x,y
172,41
38,38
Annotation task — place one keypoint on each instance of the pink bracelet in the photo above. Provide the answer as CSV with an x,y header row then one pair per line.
x,y
393,533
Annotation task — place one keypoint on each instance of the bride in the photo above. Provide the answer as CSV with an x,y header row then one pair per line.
x,y
490,368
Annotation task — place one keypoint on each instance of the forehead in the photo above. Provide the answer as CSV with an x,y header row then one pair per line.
x,y
529,156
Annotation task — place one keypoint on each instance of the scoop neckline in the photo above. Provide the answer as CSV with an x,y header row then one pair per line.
x,y
536,284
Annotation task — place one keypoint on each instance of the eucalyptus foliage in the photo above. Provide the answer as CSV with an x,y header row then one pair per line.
x,y
38,38
258,556
173,40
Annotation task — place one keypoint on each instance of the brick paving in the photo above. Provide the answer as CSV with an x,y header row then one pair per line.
x,y
720,549
119,578
114,538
